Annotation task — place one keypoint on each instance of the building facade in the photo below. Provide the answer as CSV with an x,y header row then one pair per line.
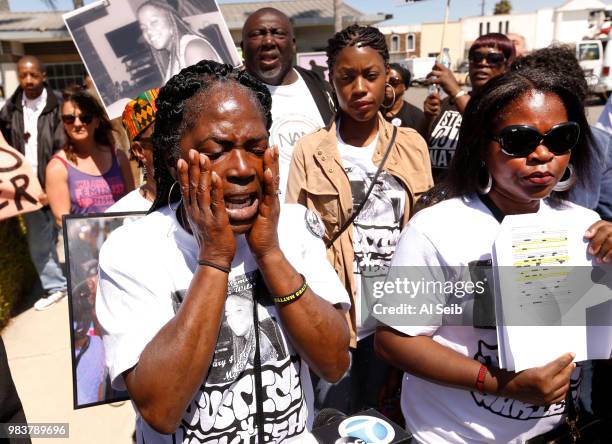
x,y
44,35
403,41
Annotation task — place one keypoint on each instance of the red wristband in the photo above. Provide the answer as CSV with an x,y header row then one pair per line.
x,y
482,373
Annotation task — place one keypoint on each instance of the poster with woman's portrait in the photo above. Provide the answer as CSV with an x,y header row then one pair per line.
x,y
130,46
83,238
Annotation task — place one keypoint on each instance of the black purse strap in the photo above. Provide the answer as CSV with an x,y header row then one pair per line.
x,y
350,220
259,414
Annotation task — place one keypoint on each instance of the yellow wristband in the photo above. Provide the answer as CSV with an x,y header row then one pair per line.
x,y
292,296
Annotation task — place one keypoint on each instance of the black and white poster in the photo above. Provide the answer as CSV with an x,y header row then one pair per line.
x,y
83,238
130,46
223,411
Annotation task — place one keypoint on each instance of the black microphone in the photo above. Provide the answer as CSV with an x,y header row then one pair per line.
x,y
331,426
328,416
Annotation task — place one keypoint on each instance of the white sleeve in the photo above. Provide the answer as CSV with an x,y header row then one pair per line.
x,y
132,303
306,252
415,260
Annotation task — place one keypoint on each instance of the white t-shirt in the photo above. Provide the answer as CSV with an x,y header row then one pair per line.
x,y
294,114
377,228
133,201
605,119
145,270
31,112
90,371
455,233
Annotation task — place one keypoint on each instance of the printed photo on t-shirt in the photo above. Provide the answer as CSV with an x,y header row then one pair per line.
x,y
224,408
377,227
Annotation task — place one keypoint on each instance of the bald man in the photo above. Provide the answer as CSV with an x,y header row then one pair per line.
x,y
31,122
301,98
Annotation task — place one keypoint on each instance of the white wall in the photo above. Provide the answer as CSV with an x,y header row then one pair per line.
x,y
573,26
523,24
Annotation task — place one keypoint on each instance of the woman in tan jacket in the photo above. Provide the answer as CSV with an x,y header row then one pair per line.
x,y
332,171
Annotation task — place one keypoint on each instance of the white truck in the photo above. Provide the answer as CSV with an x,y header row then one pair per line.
x,y
595,58
419,67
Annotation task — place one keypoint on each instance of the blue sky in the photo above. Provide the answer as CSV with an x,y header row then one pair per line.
x,y
422,11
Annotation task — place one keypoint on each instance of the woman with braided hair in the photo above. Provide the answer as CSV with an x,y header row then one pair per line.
x,y
217,233
173,43
362,175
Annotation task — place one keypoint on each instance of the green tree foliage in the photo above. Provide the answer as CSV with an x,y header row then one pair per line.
x,y
503,7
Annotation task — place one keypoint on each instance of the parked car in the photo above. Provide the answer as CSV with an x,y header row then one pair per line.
x,y
462,74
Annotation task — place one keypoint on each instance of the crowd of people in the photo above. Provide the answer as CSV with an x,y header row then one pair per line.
x,y
252,309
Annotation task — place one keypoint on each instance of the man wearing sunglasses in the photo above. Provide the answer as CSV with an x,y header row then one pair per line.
x,y
490,55
30,122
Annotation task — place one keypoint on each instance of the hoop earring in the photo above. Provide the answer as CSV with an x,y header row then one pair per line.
x,y
487,188
170,194
567,183
393,101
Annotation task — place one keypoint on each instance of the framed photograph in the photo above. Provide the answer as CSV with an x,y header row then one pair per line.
x,y
314,61
130,46
83,238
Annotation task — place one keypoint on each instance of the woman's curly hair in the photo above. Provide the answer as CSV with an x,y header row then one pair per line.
x,y
172,122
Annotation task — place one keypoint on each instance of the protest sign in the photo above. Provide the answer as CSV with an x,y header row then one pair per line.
x,y
19,187
314,61
83,238
130,46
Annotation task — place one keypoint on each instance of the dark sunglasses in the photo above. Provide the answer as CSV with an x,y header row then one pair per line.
x,y
395,82
492,58
69,119
522,140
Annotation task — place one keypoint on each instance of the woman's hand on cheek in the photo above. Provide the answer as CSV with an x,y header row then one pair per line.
x,y
600,241
263,236
202,192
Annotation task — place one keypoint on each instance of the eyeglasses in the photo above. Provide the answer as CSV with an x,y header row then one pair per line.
x,y
492,58
85,119
395,82
522,140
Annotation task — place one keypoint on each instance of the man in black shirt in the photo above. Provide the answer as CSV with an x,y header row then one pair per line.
x,y
395,109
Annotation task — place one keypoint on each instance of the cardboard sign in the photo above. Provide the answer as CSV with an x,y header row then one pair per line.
x,y
19,187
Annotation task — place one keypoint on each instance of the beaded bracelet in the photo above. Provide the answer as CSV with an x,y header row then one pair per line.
x,y
292,296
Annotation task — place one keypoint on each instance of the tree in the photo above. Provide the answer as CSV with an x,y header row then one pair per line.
x,y
503,7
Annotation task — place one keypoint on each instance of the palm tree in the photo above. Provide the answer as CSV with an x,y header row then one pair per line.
x,y
53,3
503,7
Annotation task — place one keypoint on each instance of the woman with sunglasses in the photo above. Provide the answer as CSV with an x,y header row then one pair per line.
x,y
88,175
395,109
523,143
490,55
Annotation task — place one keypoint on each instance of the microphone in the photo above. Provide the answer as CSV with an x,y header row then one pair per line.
x,y
331,426
328,416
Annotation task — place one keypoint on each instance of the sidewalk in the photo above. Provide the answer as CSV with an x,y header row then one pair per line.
x,y
38,348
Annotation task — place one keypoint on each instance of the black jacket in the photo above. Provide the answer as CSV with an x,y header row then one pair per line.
x,y
321,92
50,128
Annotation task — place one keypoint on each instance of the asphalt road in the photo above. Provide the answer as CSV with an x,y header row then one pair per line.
x,y
416,96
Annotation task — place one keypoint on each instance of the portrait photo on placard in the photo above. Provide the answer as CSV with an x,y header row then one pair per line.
x,y
130,46
314,61
83,238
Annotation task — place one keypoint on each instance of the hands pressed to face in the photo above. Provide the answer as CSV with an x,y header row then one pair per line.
x,y
209,214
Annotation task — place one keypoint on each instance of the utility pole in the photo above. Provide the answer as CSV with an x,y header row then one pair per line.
x,y
482,6
337,15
